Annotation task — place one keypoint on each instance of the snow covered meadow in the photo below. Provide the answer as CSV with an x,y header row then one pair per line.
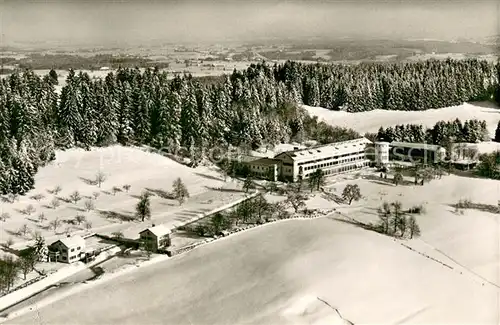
x,y
322,271
76,169
371,121
290,272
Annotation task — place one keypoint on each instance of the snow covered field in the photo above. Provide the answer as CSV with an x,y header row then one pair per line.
x,y
275,274
73,169
175,68
371,121
471,238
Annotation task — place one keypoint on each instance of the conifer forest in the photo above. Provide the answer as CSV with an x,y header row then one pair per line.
x,y
246,108
470,131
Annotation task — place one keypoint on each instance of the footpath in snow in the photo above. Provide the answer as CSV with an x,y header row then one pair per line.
x,y
72,269
80,286
24,293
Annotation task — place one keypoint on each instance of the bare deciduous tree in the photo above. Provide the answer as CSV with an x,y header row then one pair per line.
x,y
80,218
41,217
89,205
296,200
38,197
75,197
27,262
413,227
180,190
317,179
57,190
351,193
88,225
100,177
4,216
55,203
384,213
54,224
398,178
9,272
397,216
261,207
402,225
95,195
29,209
24,230
143,207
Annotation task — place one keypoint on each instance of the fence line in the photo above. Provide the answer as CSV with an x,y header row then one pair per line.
x,y
222,208
239,229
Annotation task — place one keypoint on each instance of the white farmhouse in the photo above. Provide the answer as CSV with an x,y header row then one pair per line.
x,y
67,250
156,237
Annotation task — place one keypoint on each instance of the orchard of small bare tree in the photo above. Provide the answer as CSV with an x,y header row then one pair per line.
x,y
395,222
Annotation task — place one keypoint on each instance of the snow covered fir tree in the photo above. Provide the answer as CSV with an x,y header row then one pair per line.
x,y
245,108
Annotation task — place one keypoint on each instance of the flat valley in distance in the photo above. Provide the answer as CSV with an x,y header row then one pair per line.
x,y
212,60
282,273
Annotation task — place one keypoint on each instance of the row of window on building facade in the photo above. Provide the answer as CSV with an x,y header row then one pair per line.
x,y
342,169
334,163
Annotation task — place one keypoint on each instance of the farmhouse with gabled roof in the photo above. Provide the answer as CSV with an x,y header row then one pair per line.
x,y
155,238
67,250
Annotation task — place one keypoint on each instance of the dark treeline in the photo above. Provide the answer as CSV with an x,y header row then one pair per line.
x,y
443,133
399,86
68,61
389,86
27,106
131,107
247,108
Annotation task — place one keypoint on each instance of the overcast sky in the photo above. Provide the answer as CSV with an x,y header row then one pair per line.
x,y
102,21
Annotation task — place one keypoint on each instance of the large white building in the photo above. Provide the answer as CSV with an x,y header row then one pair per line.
x,y
333,158
339,157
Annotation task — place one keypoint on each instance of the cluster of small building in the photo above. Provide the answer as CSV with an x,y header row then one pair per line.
x,y
339,157
332,159
77,248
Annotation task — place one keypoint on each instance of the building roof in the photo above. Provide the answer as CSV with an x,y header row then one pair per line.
x,y
72,241
256,160
244,158
426,146
328,150
266,161
158,231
